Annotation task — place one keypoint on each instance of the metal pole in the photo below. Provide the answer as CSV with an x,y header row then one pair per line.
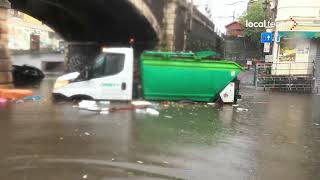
x,y
234,16
191,14
256,76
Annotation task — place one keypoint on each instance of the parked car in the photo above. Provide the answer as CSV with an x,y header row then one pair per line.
x,y
26,74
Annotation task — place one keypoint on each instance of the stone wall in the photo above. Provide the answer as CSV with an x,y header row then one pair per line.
x,y
169,25
6,78
183,33
157,8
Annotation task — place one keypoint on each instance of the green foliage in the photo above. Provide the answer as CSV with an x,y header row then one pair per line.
x,y
255,13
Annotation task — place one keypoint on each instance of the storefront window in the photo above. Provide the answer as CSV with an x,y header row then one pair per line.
x,y
287,50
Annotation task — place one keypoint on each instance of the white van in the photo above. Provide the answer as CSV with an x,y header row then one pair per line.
x,y
110,79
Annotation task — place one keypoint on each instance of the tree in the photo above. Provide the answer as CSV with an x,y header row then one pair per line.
x,y
254,13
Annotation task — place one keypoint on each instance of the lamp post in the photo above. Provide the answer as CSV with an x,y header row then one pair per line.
x,y
5,62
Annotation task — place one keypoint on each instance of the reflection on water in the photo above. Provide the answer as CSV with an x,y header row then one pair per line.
x,y
277,139
188,125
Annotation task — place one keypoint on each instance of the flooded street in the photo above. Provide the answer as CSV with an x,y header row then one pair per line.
x,y
278,138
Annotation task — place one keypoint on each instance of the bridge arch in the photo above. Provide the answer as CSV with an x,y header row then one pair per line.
x,y
111,22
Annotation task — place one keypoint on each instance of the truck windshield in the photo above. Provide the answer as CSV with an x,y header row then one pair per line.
x,y
108,64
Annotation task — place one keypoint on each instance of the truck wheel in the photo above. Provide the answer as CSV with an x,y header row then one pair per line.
x,y
58,97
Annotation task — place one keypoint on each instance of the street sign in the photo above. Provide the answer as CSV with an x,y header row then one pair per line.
x,y
266,48
266,37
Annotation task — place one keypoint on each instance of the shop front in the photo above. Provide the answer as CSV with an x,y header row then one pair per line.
x,y
295,51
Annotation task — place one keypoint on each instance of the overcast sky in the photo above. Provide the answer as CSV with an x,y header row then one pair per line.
x,y
221,9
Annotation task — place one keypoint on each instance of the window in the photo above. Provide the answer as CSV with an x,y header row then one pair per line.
x,y
287,50
98,68
108,64
114,64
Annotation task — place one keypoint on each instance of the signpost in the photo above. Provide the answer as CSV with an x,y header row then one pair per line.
x,y
266,48
266,37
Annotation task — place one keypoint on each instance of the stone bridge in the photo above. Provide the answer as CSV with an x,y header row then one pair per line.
x,y
171,25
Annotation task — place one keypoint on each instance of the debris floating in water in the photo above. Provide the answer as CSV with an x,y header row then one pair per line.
x,y
87,134
140,162
152,112
242,110
141,111
169,117
93,108
19,101
105,111
32,98
3,101
141,103
88,105
235,105
85,176
149,111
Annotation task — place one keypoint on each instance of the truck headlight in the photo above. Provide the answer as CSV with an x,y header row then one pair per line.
x,y
60,84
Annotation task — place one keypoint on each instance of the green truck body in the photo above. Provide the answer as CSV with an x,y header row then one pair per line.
x,y
185,76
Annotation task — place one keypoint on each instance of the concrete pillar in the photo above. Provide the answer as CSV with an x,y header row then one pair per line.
x,y
78,55
169,25
5,61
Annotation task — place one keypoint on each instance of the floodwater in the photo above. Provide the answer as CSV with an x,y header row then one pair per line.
x,y
278,138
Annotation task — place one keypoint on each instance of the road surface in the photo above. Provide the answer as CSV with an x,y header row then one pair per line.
x,y
278,138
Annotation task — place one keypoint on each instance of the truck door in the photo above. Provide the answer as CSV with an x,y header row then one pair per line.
x,y
113,75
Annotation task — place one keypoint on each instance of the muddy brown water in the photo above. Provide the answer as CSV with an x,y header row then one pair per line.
x,y
278,138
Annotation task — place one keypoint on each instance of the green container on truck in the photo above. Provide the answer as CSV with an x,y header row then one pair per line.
x,y
185,76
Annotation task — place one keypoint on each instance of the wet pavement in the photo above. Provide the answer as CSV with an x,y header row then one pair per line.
x,y
278,138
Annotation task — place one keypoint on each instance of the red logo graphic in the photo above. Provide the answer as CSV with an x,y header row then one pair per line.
x,y
295,24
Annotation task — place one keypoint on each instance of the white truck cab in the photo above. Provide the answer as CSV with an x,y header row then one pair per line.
x,y
111,77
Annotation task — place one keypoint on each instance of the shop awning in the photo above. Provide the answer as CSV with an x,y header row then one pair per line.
x,y
299,34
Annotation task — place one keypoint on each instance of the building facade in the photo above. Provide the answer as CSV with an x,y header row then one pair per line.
x,y
297,37
234,29
27,34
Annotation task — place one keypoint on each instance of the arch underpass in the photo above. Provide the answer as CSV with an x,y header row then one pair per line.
x,y
89,24
95,23
111,22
